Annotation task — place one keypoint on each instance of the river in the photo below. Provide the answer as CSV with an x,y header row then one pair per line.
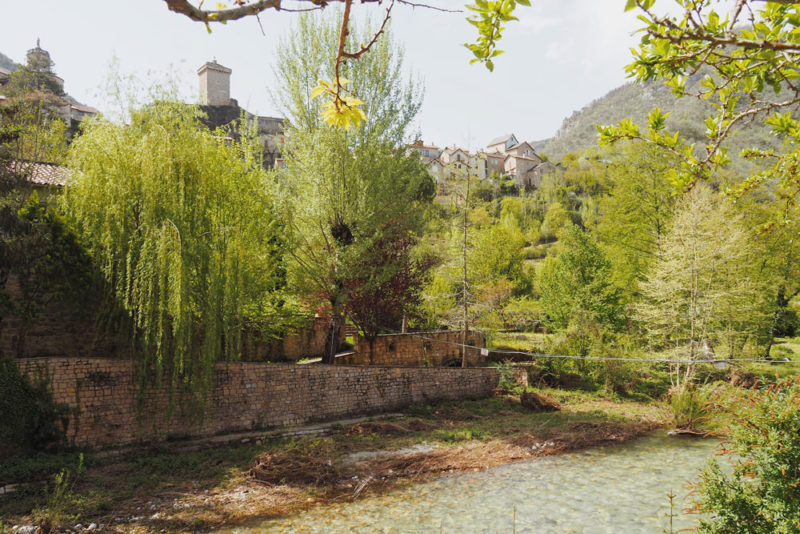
x,y
613,489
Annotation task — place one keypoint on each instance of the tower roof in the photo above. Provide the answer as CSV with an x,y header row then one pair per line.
x,y
213,65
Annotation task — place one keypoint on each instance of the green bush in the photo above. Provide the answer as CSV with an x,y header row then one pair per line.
x,y
690,406
762,495
31,420
506,375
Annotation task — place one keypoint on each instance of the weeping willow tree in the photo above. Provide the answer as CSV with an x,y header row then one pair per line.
x,y
181,223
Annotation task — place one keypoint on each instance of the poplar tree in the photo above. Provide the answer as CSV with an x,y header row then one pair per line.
x,y
348,193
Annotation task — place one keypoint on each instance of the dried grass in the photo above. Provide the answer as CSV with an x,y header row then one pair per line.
x,y
387,428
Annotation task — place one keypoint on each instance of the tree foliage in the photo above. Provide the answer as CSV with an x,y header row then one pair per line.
x,y
762,495
748,60
636,213
388,289
577,281
352,197
700,291
182,225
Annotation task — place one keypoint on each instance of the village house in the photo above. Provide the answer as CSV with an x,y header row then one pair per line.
x,y
504,156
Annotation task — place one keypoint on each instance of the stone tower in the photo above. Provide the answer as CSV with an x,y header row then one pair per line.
x,y
215,84
40,63
39,59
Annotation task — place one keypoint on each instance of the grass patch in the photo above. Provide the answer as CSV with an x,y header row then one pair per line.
x,y
524,341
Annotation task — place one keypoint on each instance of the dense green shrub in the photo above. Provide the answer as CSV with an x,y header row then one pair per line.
x,y
762,495
690,406
31,420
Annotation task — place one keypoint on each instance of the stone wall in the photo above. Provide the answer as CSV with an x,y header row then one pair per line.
x,y
64,329
306,343
419,349
246,396
59,329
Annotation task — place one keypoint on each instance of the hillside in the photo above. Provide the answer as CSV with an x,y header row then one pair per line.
x,y
636,100
6,62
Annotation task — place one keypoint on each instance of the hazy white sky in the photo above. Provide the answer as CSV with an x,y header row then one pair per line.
x,y
560,56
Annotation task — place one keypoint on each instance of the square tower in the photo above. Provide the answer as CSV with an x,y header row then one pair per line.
x,y
215,84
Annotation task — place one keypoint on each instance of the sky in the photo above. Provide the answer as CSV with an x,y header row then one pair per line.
x,y
560,55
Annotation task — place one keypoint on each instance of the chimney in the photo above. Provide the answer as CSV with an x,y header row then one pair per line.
x,y
215,84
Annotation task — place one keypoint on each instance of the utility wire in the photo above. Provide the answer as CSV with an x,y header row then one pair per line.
x,y
599,359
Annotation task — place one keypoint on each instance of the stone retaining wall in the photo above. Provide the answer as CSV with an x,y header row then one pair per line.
x,y
246,396
419,349
308,342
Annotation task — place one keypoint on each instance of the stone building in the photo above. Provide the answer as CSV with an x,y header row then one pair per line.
x,y
40,77
222,111
504,156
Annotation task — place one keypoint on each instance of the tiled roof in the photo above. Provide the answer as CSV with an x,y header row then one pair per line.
x,y
499,140
40,173
85,109
520,144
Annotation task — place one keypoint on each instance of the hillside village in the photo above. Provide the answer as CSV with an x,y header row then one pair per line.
x,y
503,157
213,321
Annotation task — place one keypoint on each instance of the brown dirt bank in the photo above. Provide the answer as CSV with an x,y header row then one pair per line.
x,y
230,486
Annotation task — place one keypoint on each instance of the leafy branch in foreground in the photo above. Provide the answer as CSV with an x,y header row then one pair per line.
x,y
747,61
343,111
489,19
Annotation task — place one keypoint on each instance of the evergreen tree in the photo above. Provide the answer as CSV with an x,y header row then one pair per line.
x,y
577,282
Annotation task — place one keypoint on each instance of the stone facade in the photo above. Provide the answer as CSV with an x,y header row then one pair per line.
x,y
419,349
215,84
307,343
59,329
245,396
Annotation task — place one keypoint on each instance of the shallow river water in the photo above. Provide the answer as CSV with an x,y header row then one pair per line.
x,y
614,489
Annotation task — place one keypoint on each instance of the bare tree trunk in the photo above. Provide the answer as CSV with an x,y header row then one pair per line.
x,y
332,345
465,286
371,350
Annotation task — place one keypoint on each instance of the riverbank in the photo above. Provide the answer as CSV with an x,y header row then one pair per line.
x,y
173,491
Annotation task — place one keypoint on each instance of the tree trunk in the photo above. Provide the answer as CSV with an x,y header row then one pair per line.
x,y
465,283
371,350
782,303
332,344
